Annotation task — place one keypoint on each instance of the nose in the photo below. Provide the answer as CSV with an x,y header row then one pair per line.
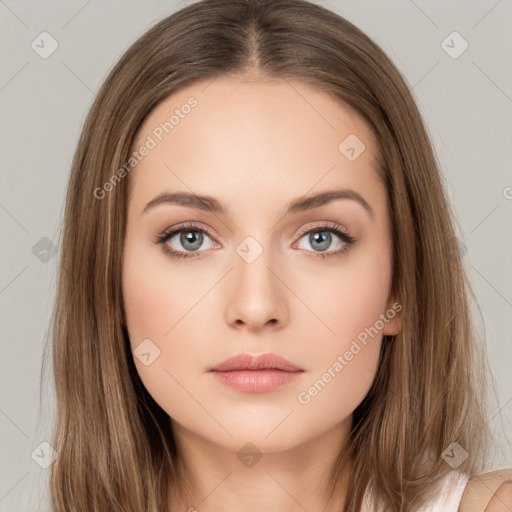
x,y
256,295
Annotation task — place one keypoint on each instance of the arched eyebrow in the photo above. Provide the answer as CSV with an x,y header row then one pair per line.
x,y
301,204
322,198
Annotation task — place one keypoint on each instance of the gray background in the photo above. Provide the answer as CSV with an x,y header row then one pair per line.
x,y
466,102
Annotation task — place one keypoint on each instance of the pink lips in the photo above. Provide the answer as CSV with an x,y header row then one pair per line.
x,y
255,373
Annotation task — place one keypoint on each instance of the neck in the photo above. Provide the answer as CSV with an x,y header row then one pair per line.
x,y
216,478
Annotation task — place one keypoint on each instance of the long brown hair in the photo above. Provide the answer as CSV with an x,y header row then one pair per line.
x,y
114,443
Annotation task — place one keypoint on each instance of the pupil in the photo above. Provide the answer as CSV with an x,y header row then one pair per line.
x,y
324,237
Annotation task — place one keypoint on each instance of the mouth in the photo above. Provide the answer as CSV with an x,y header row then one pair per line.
x,y
255,374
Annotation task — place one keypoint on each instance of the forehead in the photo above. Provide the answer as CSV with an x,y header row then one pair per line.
x,y
252,136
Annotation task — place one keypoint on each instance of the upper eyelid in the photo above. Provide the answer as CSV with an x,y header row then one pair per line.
x,y
192,226
327,225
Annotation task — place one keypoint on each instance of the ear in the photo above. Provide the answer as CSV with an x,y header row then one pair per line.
x,y
393,316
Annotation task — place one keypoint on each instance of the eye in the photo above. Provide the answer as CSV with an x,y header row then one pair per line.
x,y
190,237
320,239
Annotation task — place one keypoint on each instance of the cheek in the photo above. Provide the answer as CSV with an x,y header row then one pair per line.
x,y
353,298
345,363
152,306
346,358
156,294
163,305
336,390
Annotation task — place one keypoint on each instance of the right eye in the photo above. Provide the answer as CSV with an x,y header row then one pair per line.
x,y
189,236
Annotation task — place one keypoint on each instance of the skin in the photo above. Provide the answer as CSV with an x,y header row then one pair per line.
x,y
256,145
488,492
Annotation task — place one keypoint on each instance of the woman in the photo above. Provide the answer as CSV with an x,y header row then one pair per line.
x,y
207,354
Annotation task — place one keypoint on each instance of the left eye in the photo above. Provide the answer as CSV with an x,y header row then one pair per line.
x,y
321,239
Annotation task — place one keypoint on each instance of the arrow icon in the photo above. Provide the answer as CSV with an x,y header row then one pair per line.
x,y
454,45
249,455
351,147
44,455
249,253
44,45
146,352
44,249
452,454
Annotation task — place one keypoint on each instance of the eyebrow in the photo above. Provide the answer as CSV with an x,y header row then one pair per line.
x,y
301,204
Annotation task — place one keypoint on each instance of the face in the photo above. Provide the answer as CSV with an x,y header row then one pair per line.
x,y
257,268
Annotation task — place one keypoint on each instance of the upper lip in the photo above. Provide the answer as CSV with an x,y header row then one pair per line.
x,y
260,362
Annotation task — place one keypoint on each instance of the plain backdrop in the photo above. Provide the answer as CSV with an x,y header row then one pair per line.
x,y
464,96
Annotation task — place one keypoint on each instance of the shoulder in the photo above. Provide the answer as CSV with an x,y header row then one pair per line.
x,y
488,492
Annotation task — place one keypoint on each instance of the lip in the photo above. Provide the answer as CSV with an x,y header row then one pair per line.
x,y
266,361
256,374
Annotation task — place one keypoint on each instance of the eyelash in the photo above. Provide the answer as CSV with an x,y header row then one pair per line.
x,y
190,226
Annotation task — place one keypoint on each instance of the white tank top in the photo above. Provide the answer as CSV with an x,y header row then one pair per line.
x,y
447,500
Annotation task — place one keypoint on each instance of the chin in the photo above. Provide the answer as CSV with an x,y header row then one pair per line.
x,y
267,439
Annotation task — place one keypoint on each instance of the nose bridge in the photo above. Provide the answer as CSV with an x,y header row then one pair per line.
x,y
257,294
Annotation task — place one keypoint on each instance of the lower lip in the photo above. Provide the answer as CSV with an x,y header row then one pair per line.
x,y
256,381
